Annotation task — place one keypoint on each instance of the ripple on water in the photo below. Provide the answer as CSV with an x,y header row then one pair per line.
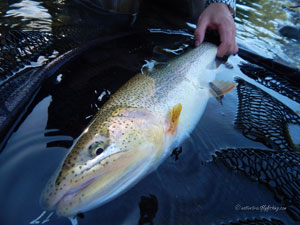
x,y
25,163
32,13
258,27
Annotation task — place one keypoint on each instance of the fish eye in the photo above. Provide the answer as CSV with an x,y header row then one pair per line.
x,y
99,151
96,148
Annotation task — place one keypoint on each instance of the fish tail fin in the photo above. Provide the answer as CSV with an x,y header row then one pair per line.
x,y
219,87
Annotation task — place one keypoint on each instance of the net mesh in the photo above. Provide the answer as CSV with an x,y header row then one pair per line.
x,y
263,118
279,171
285,85
20,48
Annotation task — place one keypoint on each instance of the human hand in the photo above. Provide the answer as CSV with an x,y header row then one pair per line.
x,y
217,16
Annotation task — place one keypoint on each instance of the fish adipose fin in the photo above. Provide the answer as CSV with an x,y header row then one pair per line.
x,y
174,117
219,87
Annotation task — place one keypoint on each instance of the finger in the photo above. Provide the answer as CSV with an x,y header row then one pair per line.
x,y
227,49
232,48
225,45
200,31
235,46
236,49
227,41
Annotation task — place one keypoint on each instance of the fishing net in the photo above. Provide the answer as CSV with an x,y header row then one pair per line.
x,y
263,118
279,171
280,84
20,48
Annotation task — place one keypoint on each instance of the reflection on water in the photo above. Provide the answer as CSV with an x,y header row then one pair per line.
x,y
148,209
25,155
258,24
32,13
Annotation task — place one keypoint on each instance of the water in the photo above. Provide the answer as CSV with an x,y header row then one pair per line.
x,y
190,189
258,24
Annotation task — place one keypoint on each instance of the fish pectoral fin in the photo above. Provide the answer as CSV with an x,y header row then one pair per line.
x,y
219,87
174,118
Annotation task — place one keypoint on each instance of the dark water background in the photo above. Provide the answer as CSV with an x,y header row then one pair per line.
x,y
190,187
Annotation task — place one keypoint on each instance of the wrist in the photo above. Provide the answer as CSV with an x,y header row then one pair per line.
x,y
229,3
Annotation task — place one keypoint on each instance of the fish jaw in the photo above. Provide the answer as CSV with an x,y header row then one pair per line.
x,y
83,184
127,170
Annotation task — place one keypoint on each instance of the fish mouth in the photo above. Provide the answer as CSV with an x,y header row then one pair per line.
x,y
73,191
70,193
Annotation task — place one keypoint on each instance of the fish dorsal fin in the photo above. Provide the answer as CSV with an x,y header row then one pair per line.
x,y
174,117
219,87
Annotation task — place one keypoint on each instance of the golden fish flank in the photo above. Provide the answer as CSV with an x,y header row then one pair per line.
x,y
133,132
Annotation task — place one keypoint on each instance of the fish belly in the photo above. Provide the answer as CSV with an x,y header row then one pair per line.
x,y
193,97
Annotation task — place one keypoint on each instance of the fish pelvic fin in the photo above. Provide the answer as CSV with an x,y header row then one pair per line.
x,y
174,115
219,88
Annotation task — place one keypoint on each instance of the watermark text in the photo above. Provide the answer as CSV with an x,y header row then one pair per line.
x,y
261,208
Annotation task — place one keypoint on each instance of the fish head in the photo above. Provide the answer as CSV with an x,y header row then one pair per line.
x,y
107,159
